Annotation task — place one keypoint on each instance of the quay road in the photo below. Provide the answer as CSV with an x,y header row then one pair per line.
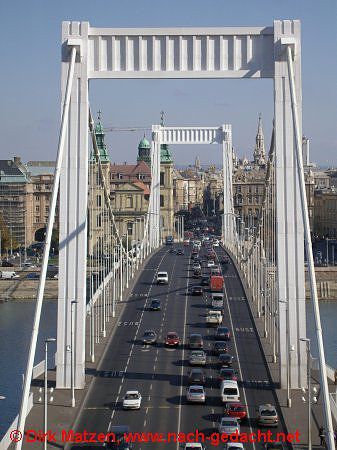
x,y
160,374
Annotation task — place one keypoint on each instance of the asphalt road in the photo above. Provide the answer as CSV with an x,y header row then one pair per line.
x,y
160,373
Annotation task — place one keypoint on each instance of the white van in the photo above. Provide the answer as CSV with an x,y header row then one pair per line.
x,y
7,275
229,391
217,300
162,278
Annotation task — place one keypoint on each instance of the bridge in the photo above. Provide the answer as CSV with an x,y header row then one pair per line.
x,y
267,269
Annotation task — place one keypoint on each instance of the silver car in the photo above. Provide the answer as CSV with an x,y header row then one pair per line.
x,y
229,425
196,394
197,358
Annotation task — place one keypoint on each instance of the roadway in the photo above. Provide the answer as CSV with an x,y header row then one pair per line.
x,y
160,373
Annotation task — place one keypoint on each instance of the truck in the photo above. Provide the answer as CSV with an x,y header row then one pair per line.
x,y
216,283
213,318
8,275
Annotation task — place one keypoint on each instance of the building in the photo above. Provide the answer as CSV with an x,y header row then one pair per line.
x,y
325,213
97,217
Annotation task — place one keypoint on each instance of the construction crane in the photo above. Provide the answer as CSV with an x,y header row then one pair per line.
x,y
113,129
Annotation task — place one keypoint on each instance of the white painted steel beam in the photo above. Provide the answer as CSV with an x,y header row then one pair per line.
x,y
289,222
73,214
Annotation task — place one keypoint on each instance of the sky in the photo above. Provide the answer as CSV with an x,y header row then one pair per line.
x,y
30,77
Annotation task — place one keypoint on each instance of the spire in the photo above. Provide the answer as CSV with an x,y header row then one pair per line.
x,y
165,154
259,150
99,133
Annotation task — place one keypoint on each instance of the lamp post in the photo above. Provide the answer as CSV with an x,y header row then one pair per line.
x,y
45,422
72,368
288,354
307,341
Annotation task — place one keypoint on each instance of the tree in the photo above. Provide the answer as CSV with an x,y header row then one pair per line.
x,y
5,235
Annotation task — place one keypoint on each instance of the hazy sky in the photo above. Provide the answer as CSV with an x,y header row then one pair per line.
x,y
30,76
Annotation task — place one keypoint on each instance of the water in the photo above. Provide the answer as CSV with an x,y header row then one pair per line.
x,y
16,320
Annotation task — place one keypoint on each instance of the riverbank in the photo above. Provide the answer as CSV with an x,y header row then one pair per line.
x,y
26,289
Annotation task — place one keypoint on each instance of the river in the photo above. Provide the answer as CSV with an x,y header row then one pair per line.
x,y
16,320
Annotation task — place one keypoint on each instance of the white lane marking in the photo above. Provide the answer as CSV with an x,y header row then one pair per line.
x,y
149,398
147,410
145,423
236,351
120,388
151,387
182,366
138,326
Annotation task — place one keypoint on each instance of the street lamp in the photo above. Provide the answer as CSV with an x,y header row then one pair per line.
x,y
72,374
47,341
307,341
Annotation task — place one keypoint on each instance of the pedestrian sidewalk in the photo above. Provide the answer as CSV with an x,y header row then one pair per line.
x,y
61,416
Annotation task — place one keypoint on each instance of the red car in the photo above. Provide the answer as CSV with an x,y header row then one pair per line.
x,y
236,410
172,339
227,373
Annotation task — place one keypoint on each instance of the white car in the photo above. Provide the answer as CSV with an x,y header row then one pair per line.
x,y
229,425
132,400
196,394
194,446
216,243
234,446
210,263
162,278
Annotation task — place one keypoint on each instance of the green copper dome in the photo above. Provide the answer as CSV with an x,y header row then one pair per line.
x,y
144,143
165,154
144,151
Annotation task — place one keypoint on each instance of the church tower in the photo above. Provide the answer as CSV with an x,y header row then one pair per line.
x,y
144,151
96,193
166,189
259,150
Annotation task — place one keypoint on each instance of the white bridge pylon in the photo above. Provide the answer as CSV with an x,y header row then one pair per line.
x,y
187,135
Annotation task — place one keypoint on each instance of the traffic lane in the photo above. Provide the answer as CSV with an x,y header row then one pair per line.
x,y
160,383
256,377
163,417
100,400
203,417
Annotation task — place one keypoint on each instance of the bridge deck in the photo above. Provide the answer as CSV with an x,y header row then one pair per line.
x,y
160,373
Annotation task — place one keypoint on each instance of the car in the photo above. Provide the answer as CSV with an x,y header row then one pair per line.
x,y
162,278
33,276
7,264
197,358
229,425
197,273
225,360
155,305
225,260
227,373
172,250
180,252
196,290
196,266
234,446
223,333
194,446
195,341
117,440
186,242
29,264
169,240
172,339
219,347
216,243
210,263
196,376
267,415
215,270
236,410
132,400
196,394
204,281
149,337
274,446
